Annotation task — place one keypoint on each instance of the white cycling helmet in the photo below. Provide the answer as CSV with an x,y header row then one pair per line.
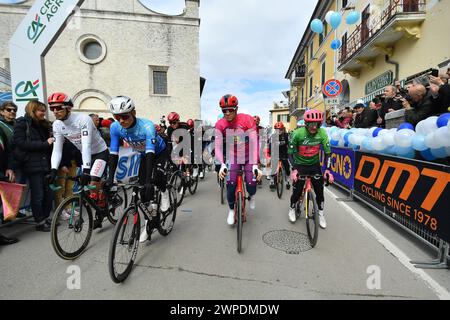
x,y
120,105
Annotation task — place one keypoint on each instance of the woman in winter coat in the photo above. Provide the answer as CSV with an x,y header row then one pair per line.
x,y
32,152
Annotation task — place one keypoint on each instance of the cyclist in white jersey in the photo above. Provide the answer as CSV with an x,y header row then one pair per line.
x,y
80,130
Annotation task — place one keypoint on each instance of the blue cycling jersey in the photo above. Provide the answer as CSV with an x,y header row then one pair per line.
x,y
141,137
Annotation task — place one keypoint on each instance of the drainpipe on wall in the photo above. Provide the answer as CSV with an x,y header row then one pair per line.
x,y
396,64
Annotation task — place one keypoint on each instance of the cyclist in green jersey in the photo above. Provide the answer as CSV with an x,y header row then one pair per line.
x,y
304,149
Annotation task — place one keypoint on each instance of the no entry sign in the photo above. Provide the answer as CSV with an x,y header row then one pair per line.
x,y
332,88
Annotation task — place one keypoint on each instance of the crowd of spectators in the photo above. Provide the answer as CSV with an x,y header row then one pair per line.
x,y
424,97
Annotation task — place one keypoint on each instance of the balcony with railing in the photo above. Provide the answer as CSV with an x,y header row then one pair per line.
x,y
299,75
401,18
293,106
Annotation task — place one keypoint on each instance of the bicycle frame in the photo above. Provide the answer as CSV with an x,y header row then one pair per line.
x,y
240,188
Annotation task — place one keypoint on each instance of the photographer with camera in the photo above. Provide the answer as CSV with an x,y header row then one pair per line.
x,y
417,103
440,90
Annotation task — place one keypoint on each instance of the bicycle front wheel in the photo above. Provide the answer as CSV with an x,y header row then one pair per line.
x,y
280,183
117,204
124,245
178,182
167,219
238,213
312,218
193,185
71,228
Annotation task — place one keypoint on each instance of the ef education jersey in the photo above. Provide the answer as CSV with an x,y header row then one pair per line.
x,y
141,137
305,147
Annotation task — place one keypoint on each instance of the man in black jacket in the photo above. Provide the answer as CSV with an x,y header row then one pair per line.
x,y
442,101
365,117
419,104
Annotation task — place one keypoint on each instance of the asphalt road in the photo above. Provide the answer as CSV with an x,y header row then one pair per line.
x,y
358,256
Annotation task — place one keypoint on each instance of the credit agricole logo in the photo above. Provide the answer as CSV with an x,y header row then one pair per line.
x,y
26,90
49,9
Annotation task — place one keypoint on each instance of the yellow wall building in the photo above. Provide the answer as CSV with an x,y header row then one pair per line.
x,y
312,65
395,39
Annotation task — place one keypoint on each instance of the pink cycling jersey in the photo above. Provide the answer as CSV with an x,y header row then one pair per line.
x,y
243,130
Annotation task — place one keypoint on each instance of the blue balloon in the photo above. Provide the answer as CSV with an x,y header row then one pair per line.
x,y
418,143
335,20
405,125
336,44
427,155
376,132
347,135
391,150
439,153
353,17
443,120
317,26
403,151
334,143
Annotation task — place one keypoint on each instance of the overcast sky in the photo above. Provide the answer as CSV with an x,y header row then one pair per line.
x,y
246,47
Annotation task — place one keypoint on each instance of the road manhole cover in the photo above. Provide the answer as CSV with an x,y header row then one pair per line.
x,y
290,242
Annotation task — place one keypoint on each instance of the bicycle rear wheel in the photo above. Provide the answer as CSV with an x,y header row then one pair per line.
x,y
238,213
280,182
312,218
117,204
71,228
124,245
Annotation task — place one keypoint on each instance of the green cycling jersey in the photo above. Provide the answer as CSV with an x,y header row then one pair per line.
x,y
305,147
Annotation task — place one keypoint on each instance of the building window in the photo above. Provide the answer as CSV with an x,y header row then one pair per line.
x,y
344,3
323,35
283,118
311,86
323,73
158,76
91,49
311,51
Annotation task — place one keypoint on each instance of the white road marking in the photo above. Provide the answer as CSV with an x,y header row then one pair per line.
x,y
440,291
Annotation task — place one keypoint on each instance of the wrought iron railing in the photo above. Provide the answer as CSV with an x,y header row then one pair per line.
x,y
363,32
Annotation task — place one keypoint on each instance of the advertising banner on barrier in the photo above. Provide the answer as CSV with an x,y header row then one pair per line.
x,y
128,165
342,165
417,190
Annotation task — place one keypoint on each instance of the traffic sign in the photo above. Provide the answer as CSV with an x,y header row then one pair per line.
x,y
332,88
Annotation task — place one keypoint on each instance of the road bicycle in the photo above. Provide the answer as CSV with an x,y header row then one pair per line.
x,y
124,244
280,178
240,198
309,205
73,220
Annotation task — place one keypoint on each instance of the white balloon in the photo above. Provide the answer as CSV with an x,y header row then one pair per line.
x,y
431,142
335,135
352,138
377,143
403,138
420,128
383,132
328,16
388,139
430,125
442,136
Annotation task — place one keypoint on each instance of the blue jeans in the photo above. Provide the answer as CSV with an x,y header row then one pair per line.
x,y
41,196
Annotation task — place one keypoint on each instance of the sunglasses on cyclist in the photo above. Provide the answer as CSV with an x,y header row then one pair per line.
x,y
173,122
312,124
124,117
56,108
230,110
11,110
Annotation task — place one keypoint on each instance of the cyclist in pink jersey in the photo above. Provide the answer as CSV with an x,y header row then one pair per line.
x,y
241,142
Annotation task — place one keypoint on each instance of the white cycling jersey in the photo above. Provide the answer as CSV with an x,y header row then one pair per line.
x,y
79,129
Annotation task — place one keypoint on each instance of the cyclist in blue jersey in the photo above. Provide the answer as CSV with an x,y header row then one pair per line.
x,y
141,135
